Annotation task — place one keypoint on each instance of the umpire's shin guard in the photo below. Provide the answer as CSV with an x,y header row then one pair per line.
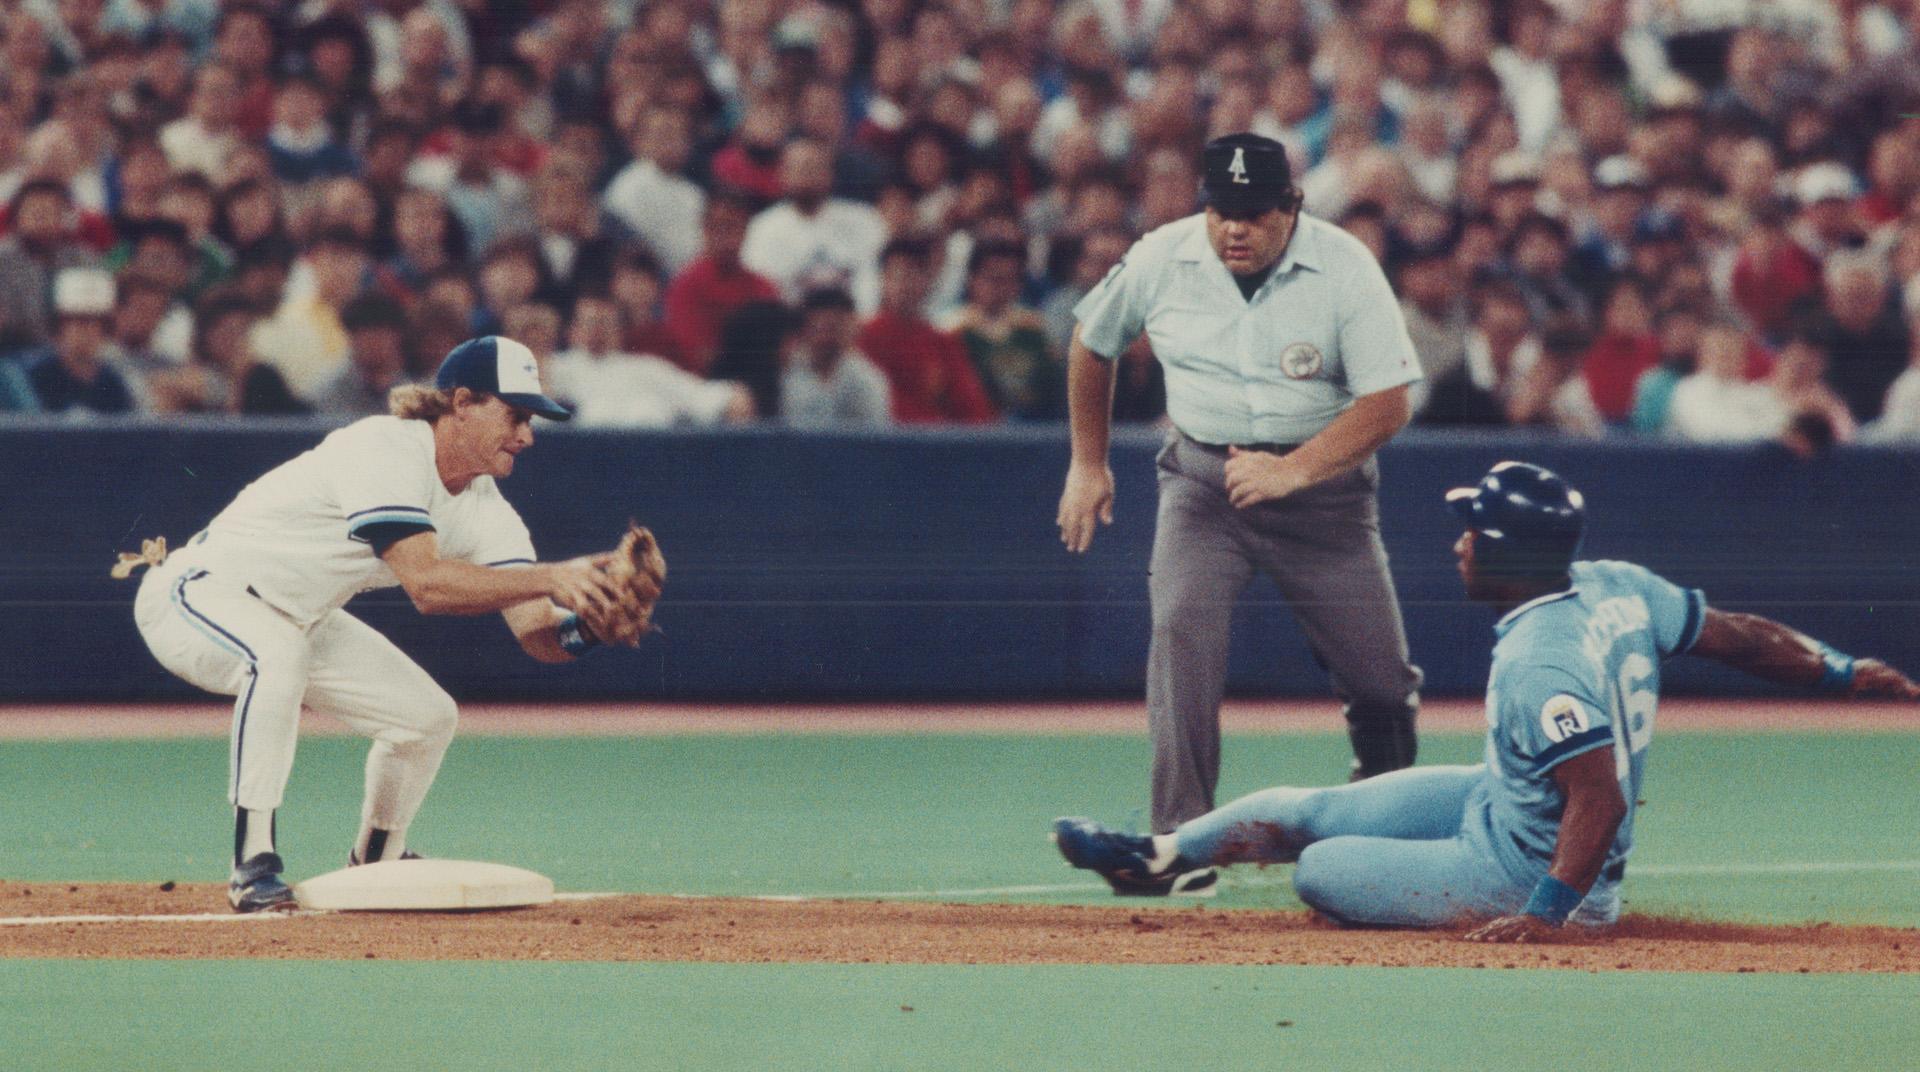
x,y
1382,744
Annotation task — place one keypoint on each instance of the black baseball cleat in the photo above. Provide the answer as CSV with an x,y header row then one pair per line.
x,y
1126,862
255,886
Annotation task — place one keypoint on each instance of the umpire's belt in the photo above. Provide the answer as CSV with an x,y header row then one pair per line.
x,y
1221,449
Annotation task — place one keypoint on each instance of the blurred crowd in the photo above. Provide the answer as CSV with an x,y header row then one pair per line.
x,y
1687,218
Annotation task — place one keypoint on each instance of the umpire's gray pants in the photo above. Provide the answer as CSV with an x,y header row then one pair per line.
x,y
1322,548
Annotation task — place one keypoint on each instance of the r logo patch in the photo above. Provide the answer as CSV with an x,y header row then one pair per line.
x,y
1562,717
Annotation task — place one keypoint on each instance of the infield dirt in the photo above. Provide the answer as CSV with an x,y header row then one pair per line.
x,y
738,930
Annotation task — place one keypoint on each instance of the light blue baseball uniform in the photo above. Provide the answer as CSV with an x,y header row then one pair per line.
x,y
1573,671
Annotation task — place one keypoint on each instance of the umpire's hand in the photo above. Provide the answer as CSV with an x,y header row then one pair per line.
x,y
1254,477
1086,504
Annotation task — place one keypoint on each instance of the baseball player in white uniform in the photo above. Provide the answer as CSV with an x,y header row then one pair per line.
x,y
252,606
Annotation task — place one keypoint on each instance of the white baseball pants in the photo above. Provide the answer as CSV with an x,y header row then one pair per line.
x,y
210,631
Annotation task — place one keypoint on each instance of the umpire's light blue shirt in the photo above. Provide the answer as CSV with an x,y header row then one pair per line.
x,y
1323,330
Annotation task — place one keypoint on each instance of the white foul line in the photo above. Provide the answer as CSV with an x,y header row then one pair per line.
x,y
1254,881
227,917
1812,867
203,917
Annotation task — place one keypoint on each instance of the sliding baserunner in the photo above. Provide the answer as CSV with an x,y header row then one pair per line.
x,y
1539,833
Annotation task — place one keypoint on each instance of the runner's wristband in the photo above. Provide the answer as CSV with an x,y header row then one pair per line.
x,y
1553,901
575,638
1839,674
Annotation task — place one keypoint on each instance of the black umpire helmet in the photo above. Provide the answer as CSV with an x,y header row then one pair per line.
x,y
1246,175
1529,521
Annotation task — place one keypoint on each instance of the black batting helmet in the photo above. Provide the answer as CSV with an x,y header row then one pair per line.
x,y
1529,520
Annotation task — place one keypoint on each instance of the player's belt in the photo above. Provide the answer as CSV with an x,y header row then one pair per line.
x,y
1221,449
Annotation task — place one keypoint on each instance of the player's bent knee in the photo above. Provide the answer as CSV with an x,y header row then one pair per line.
x,y
429,719
441,717
1318,882
1334,881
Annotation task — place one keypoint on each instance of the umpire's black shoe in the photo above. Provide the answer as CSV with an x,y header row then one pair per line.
x,y
255,886
1126,862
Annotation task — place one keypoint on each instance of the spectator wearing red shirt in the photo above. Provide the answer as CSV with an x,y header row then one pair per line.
x,y
933,379
1893,172
750,161
1625,348
1772,274
636,290
713,284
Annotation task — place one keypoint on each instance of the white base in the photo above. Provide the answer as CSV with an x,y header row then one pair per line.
x,y
423,885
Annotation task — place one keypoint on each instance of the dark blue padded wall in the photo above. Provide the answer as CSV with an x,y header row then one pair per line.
x,y
926,564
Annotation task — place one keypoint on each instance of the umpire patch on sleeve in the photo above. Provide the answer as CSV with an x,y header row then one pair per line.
x,y
1563,716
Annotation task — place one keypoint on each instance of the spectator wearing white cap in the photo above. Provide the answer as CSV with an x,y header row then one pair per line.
x,y
72,373
1825,191
1515,180
1605,246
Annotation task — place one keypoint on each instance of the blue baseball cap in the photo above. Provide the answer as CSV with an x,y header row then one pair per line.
x,y
503,367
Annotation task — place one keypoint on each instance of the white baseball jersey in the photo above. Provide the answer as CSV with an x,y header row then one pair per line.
x,y
300,535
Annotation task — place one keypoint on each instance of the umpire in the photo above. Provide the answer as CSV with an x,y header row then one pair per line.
x,y
1287,366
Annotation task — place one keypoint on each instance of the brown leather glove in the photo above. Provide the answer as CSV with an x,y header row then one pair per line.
x,y
636,573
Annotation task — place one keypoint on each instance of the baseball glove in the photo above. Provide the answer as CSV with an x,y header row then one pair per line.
x,y
636,574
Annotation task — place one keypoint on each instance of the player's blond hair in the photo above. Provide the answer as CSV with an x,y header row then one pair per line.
x,y
419,402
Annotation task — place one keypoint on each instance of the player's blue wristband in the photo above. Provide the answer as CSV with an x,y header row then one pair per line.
x,y
1839,675
1553,901
575,639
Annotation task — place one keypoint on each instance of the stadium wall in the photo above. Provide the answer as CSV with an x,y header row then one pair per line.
x,y
921,564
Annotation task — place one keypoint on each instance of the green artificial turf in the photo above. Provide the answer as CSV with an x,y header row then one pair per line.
x,y
1773,827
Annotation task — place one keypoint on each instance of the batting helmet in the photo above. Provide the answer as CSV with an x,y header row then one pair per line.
x,y
1529,520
